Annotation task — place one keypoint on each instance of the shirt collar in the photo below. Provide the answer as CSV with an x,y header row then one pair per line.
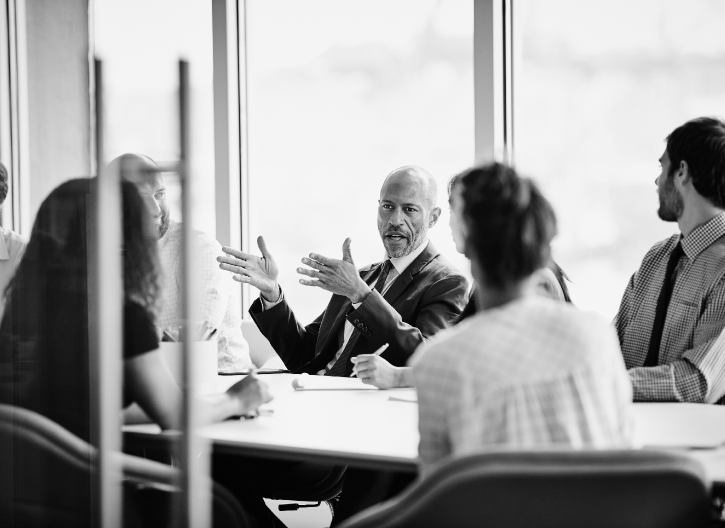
x,y
4,253
401,263
703,236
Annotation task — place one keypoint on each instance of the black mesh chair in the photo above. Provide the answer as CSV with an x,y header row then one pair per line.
x,y
47,472
562,489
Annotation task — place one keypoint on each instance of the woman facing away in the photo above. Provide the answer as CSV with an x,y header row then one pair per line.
x,y
525,372
45,354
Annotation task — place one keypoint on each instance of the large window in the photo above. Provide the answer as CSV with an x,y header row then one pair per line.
x,y
599,85
340,94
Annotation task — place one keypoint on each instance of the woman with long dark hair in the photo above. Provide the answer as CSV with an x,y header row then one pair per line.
x,y
45,350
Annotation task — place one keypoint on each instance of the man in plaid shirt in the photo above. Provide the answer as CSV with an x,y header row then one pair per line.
x,y
688,365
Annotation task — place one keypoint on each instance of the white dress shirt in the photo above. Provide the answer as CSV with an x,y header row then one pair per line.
x,y
533,373
220,302
12,248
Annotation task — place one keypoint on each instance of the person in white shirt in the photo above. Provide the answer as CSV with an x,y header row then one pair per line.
x,y
12,245
525,372
220,303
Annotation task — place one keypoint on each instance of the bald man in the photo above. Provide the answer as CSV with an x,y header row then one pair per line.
x,y
220,302
402,301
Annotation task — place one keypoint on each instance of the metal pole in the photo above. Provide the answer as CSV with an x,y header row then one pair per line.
x,y
196,493
105,320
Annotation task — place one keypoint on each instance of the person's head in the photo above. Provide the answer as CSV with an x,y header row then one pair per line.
x,y
407,209
507,225
57,254
693,160
145,174
3,185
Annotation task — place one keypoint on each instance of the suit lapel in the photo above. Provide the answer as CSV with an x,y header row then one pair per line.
x,y
402,282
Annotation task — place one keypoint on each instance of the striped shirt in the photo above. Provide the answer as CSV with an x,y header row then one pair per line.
x,y
220,301
533,373
691,366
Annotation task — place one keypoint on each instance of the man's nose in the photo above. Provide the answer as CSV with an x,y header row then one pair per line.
x,y
397,217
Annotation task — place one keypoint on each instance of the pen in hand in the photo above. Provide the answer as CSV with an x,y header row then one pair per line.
x,y
376,353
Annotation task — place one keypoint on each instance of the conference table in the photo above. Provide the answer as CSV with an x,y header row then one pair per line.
x,y
343,421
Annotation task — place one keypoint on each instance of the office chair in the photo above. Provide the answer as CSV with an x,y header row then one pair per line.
x,y
562,489
324,491
47,474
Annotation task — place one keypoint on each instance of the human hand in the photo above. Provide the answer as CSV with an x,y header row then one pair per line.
x,y
260,272
374,370
336,276
249,393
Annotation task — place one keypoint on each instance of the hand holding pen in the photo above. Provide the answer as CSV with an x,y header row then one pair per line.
x,y
362,357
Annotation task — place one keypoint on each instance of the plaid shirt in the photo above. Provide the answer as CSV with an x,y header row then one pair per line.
x,y
691,366
533,373
221,304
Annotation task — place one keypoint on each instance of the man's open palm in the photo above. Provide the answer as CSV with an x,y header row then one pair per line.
x,y
260,272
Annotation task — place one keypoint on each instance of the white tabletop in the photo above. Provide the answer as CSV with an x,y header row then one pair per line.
x,y
344,421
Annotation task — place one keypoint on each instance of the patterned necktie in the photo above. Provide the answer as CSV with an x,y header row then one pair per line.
x,y
663,302
340,366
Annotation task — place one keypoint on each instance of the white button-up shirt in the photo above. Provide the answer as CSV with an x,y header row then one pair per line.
x,y
12,247
220,302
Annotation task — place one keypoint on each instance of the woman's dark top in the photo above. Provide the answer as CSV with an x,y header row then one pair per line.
x,y
45,364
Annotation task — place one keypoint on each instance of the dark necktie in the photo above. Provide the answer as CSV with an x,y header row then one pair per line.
x,y
340,366
663,302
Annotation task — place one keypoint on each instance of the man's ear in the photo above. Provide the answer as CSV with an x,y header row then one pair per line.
x,y
683,173
433,217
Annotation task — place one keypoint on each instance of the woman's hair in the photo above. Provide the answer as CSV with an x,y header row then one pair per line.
x,y
509,223
56,258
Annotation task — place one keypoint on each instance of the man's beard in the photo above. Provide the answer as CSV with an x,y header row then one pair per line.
x,y
671,205
414,243
164,224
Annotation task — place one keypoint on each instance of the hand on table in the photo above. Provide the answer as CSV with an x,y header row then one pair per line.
x,y
260,272
374,370
336,276
249,393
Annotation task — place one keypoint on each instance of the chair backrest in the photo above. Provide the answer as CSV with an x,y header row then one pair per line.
x,y
260,350
562,489
46,477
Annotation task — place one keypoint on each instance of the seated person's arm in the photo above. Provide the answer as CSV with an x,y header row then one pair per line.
x,y
374,370
699,377
151,386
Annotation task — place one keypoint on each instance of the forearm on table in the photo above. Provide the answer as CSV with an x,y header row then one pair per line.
x,y
678,381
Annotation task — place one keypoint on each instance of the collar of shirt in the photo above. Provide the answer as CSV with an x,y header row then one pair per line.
x,y
703,236
401,263
4,253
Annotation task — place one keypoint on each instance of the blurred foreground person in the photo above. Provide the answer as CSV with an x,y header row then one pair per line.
x,y
45,359
671,319
12,245
525,372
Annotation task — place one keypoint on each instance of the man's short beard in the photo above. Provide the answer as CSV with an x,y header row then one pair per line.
x,y
164,225
671,205
415,242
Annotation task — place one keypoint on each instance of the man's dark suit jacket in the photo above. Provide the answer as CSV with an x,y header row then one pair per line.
x,y
425,299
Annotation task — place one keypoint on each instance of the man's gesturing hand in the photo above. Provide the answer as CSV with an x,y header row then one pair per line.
x,y
260,272
336,276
